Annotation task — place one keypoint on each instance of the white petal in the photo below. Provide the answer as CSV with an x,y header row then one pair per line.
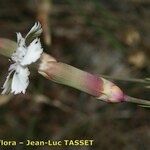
x,y
18,55
7,84
34,52
35,31
20,80
20,39
12,67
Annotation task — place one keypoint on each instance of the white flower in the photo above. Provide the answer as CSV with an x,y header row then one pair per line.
x,y
17,80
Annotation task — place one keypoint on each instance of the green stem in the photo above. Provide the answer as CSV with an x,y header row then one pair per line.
x,y
137,100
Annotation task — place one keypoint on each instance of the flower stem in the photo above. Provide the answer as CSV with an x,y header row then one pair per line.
x,y
137,100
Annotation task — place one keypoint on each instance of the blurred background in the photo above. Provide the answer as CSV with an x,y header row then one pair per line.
x,y
102,37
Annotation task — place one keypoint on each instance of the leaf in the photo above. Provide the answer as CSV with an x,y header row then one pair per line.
x,y
145,106
148,81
